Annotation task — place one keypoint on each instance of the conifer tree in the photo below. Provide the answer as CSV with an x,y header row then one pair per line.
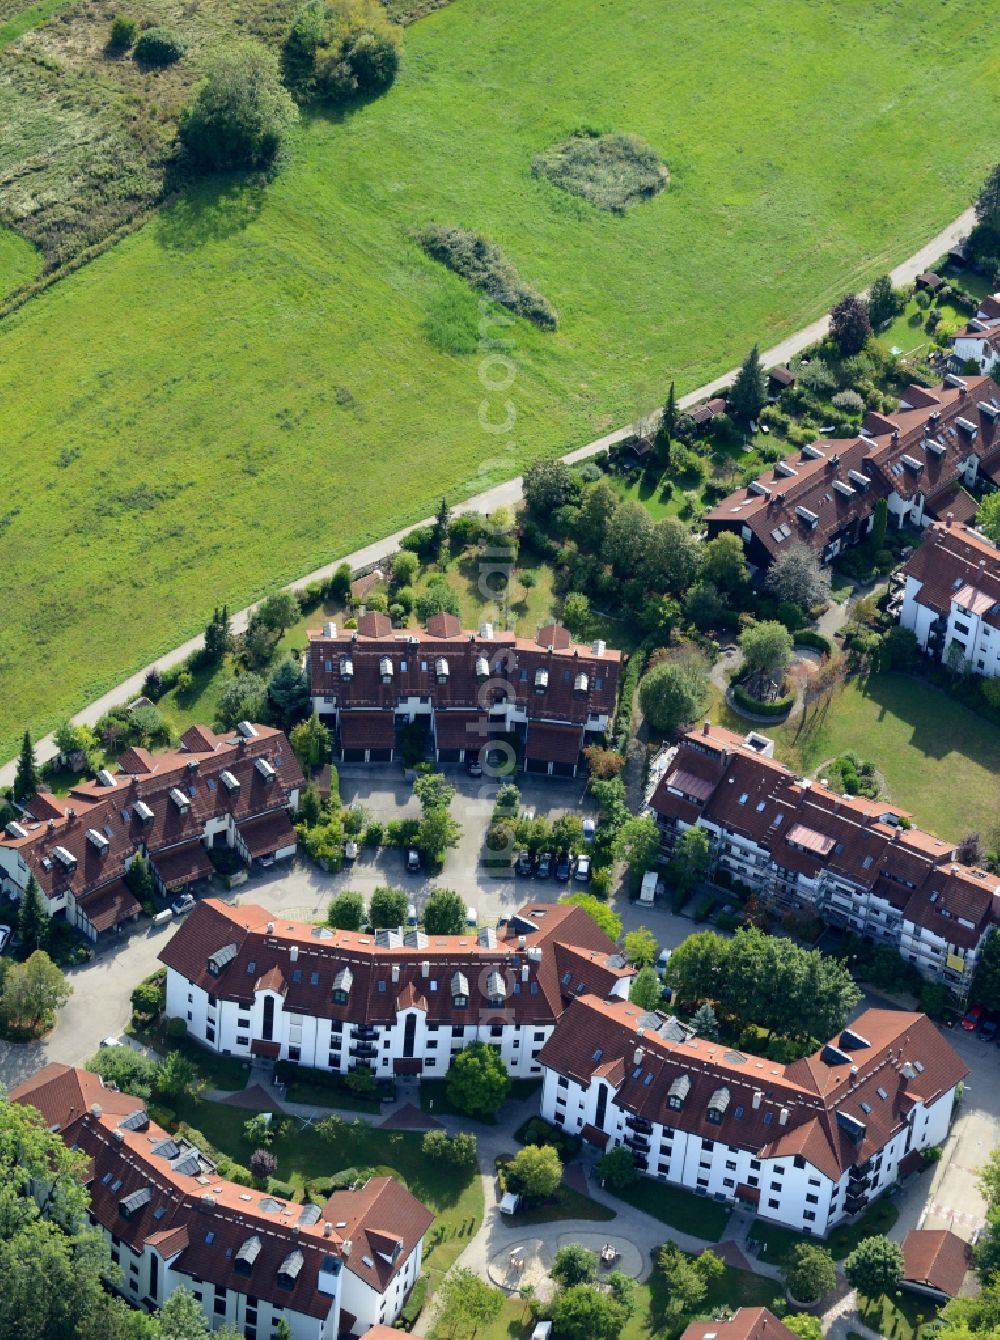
x,y
26,776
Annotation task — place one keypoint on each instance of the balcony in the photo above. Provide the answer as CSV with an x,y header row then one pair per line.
x,y
855,1204
364,1032
641,1163
367,1051
639,1124
637,1143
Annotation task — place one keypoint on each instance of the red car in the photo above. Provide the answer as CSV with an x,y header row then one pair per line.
x,y
971,1018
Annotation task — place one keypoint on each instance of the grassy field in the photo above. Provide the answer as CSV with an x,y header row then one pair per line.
x,y
939,760
878,1218
678,1208
19,261
899,1317
259,380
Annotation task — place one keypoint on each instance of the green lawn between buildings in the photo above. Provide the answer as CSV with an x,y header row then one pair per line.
x,y
260,380
939,759
305,1157
878,1218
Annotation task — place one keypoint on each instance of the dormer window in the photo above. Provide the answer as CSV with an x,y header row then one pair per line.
x,y
143,811
496,989
342,986
541,681
347,668
229,781
460,991
98,840
441,670
265,769
221,959
580,684
65,858
182,801
131,1205
243,1262
482,668
290,1269
717,1106
678,1091
385,670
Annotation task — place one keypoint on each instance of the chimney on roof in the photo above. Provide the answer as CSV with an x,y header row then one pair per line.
x,y
270,928
346,1246
522,942
637,1057
525,972
328,1229
707,728
949,519
51,825
295,1230
425,968
395,972
293,953
758,1098
96,1110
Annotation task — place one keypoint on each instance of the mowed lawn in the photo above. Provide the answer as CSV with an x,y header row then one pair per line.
x,y
939,760
260,380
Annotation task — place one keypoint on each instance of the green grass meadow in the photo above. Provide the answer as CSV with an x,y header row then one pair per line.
x,y
260,380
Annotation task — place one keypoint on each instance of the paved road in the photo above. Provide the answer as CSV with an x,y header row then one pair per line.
x,y
505,494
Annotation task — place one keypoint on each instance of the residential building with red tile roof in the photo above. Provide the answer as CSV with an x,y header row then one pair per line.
x,y
235,789
936,1262
746,1323
951,600
247,983
858,864
979,341
825,498
555,695
805,1144
250,1258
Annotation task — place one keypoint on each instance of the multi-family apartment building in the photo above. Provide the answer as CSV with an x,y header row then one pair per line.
x,y
825,497
979,341
249,983
951,600
857,863
806,1144
250,1258
552,695
746,1323
235,789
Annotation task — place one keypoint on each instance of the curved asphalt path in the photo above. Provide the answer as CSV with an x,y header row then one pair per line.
x,y
505,494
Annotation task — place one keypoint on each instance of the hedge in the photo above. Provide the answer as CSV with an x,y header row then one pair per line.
x,y
776,709
808,637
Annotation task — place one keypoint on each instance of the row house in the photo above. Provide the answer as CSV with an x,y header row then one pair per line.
x,y
951,600
249,1258
556,696
914,458
805,1145
858,864
395,1002
979,341
235,790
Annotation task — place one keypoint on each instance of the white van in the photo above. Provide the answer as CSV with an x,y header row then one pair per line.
x,y
647,894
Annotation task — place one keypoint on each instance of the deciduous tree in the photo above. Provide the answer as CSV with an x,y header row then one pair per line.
x,y
548,485
875,1266
767,650
987,519
987,202
609,922
583,1312
33,991
675,692
724,563
574,1264
478,1081
535,1172
444,913
797,576
242,698
881,301
627,538
240,114
617,1168
388,908
671,558
810,1272
128,1070
691,859
310,741
347,912
850,325
645,989
641,947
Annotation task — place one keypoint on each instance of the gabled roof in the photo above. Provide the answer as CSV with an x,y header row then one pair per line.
x,y
148,1188
813,1107
747,1323
956,564
936,1258
532,951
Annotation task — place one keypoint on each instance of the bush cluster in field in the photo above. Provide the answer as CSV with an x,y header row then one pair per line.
x,y
487,269
611,171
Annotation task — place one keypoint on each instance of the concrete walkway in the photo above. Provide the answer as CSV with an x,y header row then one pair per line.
x,y
506,494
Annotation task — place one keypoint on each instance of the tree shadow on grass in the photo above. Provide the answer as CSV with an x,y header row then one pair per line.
x,y
211,211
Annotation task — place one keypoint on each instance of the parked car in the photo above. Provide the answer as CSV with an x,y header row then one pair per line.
x,y
473,766
412,861
971,1018
350,850
582,869
111,1042
544,867
182,904
471,916
988,1026
589,829
4,937
411,914
663,959
524,865
564,867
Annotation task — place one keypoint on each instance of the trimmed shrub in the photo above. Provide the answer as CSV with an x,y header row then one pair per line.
x,y
808,637
159,47
777,708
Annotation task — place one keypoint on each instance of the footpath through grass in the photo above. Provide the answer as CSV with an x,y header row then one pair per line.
x,y
263,379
